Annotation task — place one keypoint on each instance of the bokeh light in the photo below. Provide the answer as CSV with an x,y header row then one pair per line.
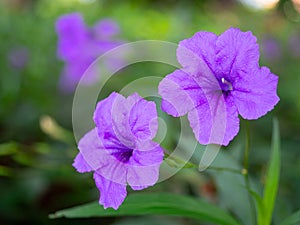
x,y
296,5
260,4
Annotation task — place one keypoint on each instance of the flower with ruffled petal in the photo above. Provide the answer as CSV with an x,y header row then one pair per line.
x,y
220,79
79,46
120,150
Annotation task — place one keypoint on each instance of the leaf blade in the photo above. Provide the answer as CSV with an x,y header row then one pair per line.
x,y
273,173
260,208
292,219
155,203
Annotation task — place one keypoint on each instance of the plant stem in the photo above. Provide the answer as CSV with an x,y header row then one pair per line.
x,y
224,169
245,170
193,165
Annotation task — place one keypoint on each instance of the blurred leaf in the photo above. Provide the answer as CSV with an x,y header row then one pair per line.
x,y
293,219
8,148
272,178
155,203
25,159
148,220
51,127
224,170
42,148
5,171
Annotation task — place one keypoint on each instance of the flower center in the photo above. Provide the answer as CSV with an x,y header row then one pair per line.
x,y
123,156
226,86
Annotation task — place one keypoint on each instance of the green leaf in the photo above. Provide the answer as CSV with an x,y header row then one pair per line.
x,y
260,209
293,219
154,203
8,148
5,171
272,178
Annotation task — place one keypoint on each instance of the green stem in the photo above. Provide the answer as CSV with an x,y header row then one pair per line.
x,y
224,169
245,170
179,162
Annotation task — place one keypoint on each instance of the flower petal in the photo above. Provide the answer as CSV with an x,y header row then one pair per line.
x,y
142,176
138,188
180,93
236,51
110,119
216,121
148,153
120,122
101,158
74,71
105,29
255,94
142,117
103,115
143,167
91,149
111,194
72,33
197,50
81,165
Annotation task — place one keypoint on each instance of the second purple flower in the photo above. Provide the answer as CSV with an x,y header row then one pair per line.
x,y
220,79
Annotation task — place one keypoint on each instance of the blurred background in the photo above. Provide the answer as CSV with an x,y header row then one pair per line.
x,y
36,142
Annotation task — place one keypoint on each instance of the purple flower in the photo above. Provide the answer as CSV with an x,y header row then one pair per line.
x,y
270,48
18,57
220,79
79,46
120,150
106,29
294,44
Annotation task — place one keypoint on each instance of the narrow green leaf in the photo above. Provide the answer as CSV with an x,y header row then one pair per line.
x,y
293,219
272,178
154,203
259,206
